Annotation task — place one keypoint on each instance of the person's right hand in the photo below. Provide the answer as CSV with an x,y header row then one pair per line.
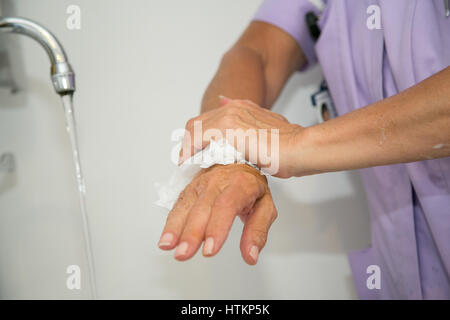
x,y
207,207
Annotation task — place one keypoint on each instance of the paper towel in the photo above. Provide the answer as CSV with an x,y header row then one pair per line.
x,y
217,152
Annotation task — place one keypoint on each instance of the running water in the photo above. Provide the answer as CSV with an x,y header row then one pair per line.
x,y
72,130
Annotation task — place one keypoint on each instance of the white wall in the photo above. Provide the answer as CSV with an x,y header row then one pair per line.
x,y
141,68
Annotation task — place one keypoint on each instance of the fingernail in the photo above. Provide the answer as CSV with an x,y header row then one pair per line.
x,y
181,249
208,246
254,252
166,240
224,100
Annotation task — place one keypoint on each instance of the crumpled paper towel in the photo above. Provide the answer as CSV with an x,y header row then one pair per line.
x,y
217,152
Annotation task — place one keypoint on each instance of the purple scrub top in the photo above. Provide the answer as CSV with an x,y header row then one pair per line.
x,y
409,203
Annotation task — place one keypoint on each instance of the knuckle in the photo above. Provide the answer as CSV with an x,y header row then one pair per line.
x,y
202,184
228,120
213,175
190,123
259,235
183,199
250,103
183,195
195,234
274,214
246,180
231,109
241,113
240,178
215,231
173,222
224,202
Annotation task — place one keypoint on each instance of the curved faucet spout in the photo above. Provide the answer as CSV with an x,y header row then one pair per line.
x,y
62,75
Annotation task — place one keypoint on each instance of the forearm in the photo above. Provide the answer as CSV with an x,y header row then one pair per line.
x,y
411,126
256,68
240,76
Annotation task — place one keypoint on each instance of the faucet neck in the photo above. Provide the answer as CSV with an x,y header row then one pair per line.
x,y
63,77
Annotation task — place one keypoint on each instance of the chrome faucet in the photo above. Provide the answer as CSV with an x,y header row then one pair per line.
x,y
62,75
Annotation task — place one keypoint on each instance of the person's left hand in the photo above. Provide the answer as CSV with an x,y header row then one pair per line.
x,y
207,207
266,138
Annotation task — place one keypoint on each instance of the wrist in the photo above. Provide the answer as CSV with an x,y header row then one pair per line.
x,y
242,167
302,152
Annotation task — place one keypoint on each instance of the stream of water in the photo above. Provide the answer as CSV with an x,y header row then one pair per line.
x,y
72,131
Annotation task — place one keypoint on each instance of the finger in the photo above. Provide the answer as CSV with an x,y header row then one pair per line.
x,y
251,104
264,117
197,220
224,100
192,126
187,149
261,110
177,218
199,135
256,229
193,140
237,198
187,145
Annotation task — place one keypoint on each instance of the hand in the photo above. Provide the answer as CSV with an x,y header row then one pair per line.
x,y
206,209
275,151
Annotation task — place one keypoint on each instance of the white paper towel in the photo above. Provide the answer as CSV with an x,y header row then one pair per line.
x,y
217,152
